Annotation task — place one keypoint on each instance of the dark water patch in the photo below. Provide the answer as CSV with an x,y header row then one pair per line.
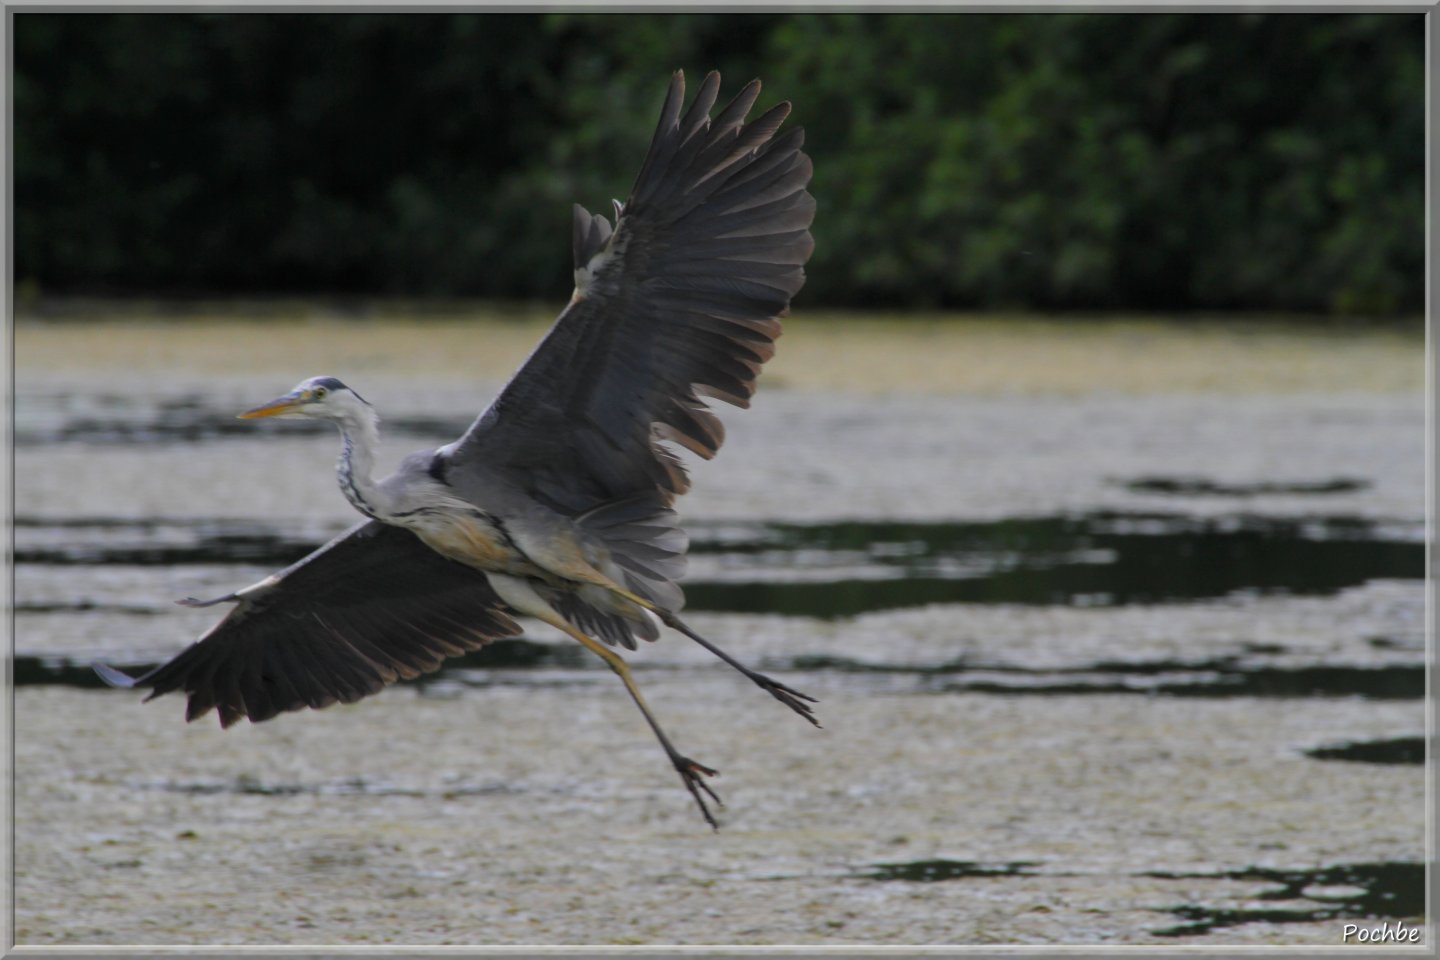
x,y
1397,643
1090,560
1203,487
846,569
1264,649
1389,682
1393,890
165,541
1212,677
936,871
29,670
91,606
1219,677
816,662
102,523
1400,750
106,420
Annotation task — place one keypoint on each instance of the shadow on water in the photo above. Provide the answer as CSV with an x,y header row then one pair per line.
x,y
845,569
1368,891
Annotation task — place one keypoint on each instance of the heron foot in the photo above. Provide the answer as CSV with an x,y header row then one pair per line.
x,y
794,699
690,773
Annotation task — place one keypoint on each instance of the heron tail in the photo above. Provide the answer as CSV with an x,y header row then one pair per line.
x,y
646,542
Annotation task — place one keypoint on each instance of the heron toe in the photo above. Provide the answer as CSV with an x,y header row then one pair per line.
x,y
690,773
794,699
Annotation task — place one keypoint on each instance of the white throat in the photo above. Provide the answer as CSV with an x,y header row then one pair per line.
x,y
360,437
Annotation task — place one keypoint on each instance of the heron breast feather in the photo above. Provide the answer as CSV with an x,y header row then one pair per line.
x,y
469,541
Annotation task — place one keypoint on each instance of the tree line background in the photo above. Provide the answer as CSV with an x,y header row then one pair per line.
x,y
1258,162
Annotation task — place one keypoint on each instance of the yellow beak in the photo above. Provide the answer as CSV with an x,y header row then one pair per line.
x,y
276,407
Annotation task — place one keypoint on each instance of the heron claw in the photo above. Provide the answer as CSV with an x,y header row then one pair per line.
x,y
794,699
690,772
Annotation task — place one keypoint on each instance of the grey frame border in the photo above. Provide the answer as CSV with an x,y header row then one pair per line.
x,y
9,8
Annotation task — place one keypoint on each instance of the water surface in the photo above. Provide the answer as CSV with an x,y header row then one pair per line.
x,y
1093,668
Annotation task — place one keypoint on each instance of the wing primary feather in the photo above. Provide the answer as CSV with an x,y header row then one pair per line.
x,y
697,118
289,671
733,114
663,143
722,155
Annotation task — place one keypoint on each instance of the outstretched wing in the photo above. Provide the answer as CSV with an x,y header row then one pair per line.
x,y
682,299
370,607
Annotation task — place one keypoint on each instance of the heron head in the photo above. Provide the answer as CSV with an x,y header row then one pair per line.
x,y
319,398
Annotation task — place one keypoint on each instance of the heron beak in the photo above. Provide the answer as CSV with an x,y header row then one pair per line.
x,y
277,407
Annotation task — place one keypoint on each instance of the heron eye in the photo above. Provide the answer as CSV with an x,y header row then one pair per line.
x,y
320,392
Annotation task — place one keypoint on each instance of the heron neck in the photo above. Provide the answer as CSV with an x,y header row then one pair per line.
x,y
360,437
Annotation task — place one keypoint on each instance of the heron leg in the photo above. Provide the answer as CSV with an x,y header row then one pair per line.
x,y
794,699
522,596
688,769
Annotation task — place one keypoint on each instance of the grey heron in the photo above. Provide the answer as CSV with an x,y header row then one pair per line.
x,y
556,503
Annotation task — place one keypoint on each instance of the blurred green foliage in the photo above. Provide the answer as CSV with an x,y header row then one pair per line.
x,y
1104,161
